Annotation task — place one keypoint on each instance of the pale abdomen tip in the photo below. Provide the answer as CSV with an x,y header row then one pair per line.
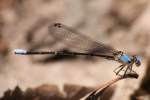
x,y
20,51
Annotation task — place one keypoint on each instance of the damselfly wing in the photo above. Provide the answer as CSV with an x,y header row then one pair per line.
x,y
78,42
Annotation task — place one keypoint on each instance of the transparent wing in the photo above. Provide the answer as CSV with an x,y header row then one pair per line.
x,y
76,42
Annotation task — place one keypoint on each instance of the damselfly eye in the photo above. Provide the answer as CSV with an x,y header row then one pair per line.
x,y
138,61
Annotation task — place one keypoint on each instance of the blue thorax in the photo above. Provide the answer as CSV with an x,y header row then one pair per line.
x,y
125,58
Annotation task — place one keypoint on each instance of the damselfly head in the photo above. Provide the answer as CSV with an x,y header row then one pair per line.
x,y
137,60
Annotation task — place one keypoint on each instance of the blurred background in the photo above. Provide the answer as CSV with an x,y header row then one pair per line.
x,y
122,24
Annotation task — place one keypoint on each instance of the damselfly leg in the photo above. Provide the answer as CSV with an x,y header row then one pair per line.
x,y
126,70
132,71
120,69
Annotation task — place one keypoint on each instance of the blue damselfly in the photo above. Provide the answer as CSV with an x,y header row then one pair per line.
x,y
73,39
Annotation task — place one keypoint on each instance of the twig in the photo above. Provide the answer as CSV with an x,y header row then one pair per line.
x,y
97,93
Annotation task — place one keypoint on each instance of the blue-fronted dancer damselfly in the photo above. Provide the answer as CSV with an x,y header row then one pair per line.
x,y
89,47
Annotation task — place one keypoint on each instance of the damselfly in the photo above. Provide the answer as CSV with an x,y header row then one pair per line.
x,y
72,38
